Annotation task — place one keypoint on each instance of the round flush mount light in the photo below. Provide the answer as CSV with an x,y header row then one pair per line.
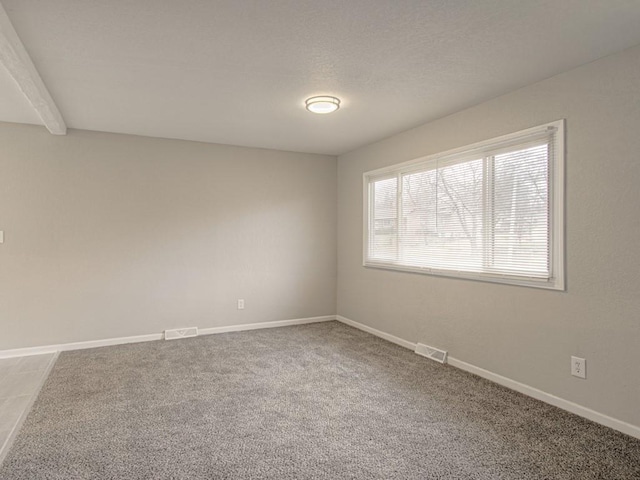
x,y
322,104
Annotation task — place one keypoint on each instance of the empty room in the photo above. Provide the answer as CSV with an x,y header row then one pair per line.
x,y
304,239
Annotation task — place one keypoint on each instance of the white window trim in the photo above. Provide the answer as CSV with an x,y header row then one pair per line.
x,y
556,211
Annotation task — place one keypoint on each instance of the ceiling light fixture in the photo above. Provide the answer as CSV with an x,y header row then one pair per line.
x,y
322,104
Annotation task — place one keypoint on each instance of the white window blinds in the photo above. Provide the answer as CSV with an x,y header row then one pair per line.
x,y
488,211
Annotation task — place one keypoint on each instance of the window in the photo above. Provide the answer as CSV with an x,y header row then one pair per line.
x,y
491,211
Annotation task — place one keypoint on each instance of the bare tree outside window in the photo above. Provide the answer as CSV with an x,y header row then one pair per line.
x,y
442,215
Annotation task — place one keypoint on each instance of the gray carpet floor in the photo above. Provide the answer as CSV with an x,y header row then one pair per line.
x,y
320,401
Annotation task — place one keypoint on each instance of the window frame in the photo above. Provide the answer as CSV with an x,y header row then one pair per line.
x,y
556,193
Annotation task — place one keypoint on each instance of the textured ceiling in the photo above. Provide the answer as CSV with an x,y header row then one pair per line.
x,y
238,71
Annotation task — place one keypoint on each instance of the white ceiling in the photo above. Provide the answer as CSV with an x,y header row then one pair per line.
x,y
238,71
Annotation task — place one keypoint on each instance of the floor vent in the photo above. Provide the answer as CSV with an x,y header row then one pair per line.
x,y
436,354
180,333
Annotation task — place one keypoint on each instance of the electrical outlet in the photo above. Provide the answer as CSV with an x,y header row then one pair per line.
x,y
240,304
578,367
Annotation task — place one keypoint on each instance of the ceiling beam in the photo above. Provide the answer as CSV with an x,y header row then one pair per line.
x,y
16,60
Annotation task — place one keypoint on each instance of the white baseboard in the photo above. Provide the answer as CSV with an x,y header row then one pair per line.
x,y
567,405
258,326
607,421
377,333
23,352
61,347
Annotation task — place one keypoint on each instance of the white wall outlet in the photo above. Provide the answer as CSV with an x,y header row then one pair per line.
x,y
578,367
1,236
241,304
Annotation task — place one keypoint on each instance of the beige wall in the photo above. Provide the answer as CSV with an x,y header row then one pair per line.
x,y
523,333
113,235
